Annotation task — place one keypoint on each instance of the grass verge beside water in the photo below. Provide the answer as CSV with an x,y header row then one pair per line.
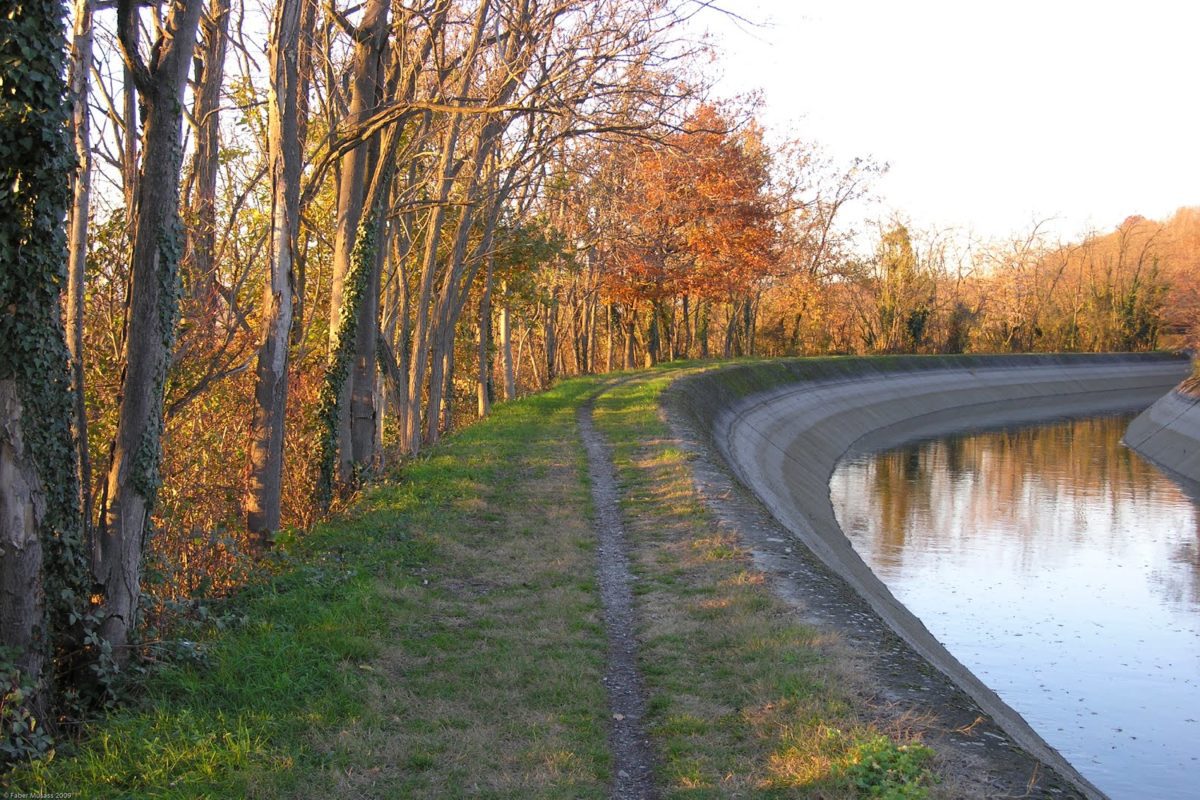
x,y
444,639
744,701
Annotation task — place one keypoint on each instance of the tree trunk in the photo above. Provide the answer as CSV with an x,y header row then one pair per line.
x,y
611,344
485,333
23,617
368,51
397,315
575,333
341,357
304,63
425,331
731,329
456,281
587,337
363,381
630,337
671,324
198,268
652,339
437,384
42,562
749,313
687,328
521,353
364,71
551,334
392,388
666,327
77,245
133,477
262,503
510,375
431,322
130,141
447,404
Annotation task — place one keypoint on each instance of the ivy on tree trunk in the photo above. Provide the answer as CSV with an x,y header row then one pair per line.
x,y
341,354
42,565
133,474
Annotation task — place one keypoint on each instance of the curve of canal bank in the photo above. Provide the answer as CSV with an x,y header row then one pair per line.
x,y
1168,433
781,427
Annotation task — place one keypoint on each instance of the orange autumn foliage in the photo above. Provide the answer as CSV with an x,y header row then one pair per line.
x,y
698,217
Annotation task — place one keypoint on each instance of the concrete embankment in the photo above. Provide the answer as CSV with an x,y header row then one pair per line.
x,y
783,426
1168,434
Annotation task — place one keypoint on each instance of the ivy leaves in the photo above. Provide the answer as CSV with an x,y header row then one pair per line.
x,y
35,160
35,165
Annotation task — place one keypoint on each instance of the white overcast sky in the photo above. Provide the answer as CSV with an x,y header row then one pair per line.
x,y
991,113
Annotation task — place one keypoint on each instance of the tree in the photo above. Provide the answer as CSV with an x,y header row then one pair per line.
x,y
133,473
41,559
200,239
353,252
699,223
262,504
79,67
905,294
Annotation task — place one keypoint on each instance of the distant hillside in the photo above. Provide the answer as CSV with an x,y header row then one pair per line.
x,y
1136,287
1138,260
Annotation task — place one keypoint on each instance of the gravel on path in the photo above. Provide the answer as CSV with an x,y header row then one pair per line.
x,y
633,763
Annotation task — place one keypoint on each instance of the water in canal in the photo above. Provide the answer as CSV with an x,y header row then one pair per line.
x,y
1064,571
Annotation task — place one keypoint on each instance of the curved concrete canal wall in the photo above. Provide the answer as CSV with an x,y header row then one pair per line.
x,y
783,426
1168,434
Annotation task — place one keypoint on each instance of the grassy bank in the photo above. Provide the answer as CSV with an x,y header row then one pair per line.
x,y
744,700
441,640
444,640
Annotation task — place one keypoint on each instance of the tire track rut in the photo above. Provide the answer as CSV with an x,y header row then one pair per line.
x,y
633,763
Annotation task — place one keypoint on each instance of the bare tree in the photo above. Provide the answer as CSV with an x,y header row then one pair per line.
x,y
262,504
133,474
370,42
200,241
79,68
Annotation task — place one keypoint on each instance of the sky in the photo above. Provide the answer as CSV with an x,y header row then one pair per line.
x,y
992,114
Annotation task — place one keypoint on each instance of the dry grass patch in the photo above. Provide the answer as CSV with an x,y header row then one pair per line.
x,y
744,700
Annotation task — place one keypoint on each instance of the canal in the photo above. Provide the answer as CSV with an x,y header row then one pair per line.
x,y
1064,571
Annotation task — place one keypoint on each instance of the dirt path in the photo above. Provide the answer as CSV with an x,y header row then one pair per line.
x,y
632,760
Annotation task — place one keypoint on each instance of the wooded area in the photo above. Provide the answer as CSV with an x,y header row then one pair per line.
x,y
248,263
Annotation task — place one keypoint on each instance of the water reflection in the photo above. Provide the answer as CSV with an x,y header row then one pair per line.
x,y
1065,571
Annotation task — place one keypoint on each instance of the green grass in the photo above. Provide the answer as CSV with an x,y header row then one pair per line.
x,y
744,700
444,639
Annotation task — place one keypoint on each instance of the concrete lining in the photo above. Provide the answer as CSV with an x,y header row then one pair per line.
x,y
1168,434
783,426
